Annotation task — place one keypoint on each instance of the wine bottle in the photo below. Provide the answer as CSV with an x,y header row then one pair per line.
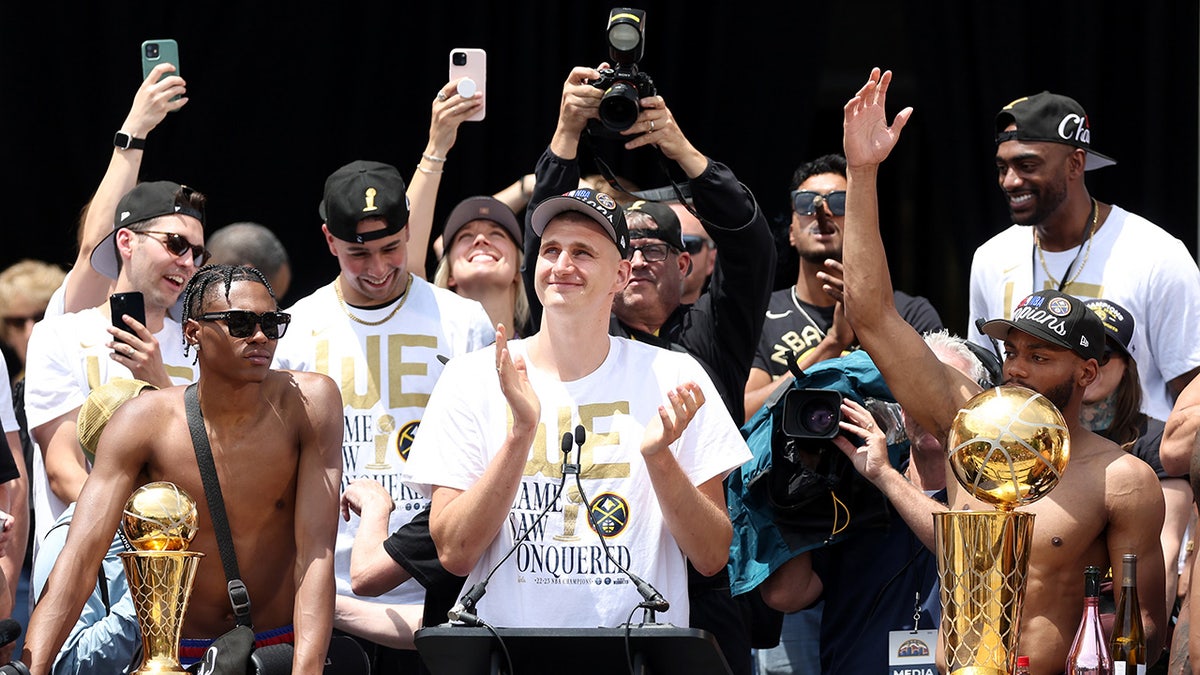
x,y
1128,643
1089,652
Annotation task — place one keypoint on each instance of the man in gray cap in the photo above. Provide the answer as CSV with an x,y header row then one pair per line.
x,y
654,446
155,246
1063,238
382,333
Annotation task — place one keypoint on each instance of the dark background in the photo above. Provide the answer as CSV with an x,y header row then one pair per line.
x,y
281,96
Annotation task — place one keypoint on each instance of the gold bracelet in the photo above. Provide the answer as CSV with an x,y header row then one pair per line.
x,y
428,171
431,158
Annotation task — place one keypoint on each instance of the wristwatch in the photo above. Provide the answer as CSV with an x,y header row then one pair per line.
x,y
125,141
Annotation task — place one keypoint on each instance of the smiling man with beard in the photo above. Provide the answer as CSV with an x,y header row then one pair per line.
x,y
1064,239
1107,502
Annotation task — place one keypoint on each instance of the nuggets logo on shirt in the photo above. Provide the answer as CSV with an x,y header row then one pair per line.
x,y
608,514
404,439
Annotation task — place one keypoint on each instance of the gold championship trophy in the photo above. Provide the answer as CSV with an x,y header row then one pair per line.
x,y
160,521
1008,447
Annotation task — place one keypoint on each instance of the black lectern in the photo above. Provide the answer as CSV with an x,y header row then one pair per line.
x,y
655,650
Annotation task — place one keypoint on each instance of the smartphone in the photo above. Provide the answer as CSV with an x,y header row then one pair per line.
x,y
472,63
155,52
131,303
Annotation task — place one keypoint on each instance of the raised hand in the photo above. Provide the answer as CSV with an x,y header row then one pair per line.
x,y
514,383
866,135
668,426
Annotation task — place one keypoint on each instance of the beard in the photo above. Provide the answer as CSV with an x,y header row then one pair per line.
x,y
1048,198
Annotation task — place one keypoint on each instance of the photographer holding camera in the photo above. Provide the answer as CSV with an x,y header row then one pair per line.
x,y
649,308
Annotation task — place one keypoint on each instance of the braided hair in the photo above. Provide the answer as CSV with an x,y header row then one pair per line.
x,y
213,277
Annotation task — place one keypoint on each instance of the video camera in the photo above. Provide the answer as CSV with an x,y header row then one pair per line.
x,y
624,84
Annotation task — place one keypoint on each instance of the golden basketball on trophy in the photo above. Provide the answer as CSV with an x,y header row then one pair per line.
x,y
160,522
159,517
1008,447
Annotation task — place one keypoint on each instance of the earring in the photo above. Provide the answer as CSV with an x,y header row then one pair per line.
x,y
196,345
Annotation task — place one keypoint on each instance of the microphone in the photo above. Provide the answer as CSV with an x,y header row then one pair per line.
x,y
10,630
568,467
652,600
464,610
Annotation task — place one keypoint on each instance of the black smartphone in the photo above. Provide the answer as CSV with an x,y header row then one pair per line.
x,y
131,303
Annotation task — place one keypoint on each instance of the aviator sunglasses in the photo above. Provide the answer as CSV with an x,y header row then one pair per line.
x,y
241,322
806,202
178,246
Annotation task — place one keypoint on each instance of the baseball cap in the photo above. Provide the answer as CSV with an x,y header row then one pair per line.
x,y
145,201
364,189
599,206
669,229
482,208
99,407
1057,318
1118,323
1051,118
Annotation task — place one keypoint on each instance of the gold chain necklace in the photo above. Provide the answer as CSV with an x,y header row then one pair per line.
x,y
337,289
1086,254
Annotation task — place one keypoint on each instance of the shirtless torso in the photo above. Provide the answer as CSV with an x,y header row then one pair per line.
x,y
275,438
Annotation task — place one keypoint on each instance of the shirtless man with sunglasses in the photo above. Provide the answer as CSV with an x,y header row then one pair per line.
x,y
276,441
155,246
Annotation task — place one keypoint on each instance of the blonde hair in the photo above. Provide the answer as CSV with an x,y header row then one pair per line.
x,y
33,279
441,279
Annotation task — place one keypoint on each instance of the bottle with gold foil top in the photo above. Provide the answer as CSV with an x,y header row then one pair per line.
x,y
1089,652
1128,643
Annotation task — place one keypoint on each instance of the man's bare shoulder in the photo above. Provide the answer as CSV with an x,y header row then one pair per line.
x,y
304,383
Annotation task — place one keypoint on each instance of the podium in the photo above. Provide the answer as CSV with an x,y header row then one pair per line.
x,y
654,649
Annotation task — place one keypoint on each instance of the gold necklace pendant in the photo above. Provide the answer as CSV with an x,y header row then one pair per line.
x,y
337,290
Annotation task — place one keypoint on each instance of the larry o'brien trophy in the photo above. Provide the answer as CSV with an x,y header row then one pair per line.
x,y
159,522
1008,447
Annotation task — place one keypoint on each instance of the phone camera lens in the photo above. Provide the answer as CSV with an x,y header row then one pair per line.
x,y
460,58
152,51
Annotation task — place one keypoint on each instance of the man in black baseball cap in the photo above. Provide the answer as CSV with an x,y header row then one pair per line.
x,y
384,334
1108,503
1063,238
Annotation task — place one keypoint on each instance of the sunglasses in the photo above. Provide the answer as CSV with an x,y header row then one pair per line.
x,y
692,243
806,202
178,246
242,322
650,252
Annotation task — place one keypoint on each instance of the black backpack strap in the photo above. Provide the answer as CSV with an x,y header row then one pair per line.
x,y
239,598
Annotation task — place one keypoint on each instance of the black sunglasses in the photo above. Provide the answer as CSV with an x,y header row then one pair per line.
x,y
806,202
692,243
177,245
22,321
242,322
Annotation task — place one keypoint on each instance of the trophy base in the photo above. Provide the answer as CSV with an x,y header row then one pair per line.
x,y
157,666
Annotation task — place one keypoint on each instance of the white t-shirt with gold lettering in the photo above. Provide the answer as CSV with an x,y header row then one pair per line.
x,y
561,575
386,373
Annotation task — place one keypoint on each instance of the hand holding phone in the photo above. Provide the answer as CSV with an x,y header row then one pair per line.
x,y
470,63
133,304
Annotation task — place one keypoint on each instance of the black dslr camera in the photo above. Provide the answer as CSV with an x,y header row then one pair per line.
x,y
623,84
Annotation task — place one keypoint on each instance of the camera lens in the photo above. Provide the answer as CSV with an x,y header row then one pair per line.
x,y
152,50
459,58
818,417
619,106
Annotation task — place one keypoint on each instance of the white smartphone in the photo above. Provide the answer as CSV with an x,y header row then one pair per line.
x,y
471,63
